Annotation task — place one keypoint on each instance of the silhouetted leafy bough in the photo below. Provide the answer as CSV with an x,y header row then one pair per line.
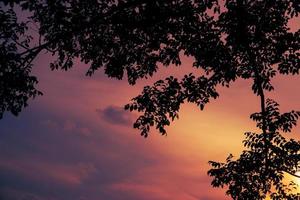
x,y
125,37
17,85
268,156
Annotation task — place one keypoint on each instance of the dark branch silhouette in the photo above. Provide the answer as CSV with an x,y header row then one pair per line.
x,y
246,39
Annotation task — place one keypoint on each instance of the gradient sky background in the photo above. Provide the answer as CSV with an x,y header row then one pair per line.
x,y
77,143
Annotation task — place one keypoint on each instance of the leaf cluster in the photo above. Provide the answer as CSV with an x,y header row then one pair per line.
x,y
260,168
17,85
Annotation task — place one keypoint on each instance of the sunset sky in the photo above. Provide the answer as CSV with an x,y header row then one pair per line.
x,y
77,143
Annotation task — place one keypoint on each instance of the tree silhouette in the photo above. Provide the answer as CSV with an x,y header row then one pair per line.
x,y
260,169
248,39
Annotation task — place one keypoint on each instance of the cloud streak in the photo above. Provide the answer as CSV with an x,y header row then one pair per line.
x,y
115,115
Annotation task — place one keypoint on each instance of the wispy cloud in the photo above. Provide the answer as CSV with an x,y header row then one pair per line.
x,y
115,115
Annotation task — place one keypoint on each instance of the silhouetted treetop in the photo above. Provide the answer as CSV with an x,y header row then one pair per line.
x,y
254,43
129,37
260,169
133,36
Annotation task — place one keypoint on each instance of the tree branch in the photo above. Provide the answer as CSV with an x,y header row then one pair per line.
x,y
21,45
37,48
290,173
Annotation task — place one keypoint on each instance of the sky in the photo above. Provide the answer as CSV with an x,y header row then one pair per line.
x,y
77,143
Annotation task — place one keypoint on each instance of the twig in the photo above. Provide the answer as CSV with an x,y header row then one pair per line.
x,y
290,173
